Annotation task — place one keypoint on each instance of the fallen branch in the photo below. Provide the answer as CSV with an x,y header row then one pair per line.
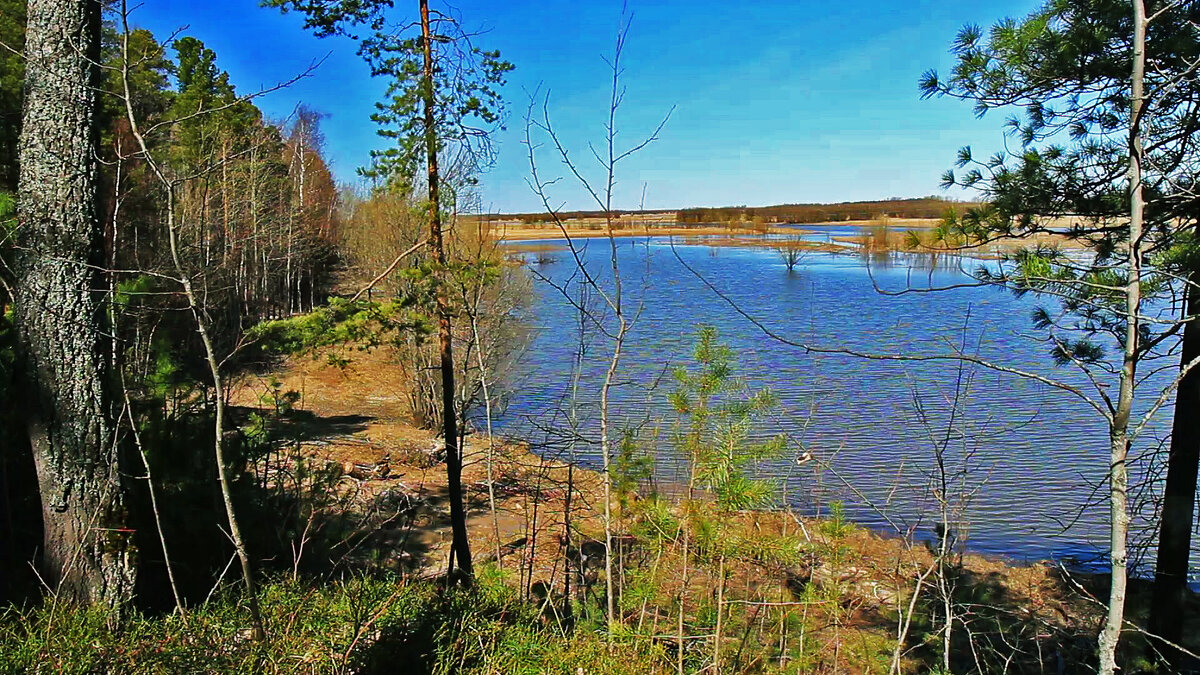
x,y
383,275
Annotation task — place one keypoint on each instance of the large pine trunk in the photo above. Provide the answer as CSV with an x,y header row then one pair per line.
x,y
1179,495
87,551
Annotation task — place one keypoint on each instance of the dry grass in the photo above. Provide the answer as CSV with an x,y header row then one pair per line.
x,y
892,236
897,223
511,248
757,241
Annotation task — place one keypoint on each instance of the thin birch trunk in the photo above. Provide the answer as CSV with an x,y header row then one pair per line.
x,y
210,355
1110,635
491,451
720,613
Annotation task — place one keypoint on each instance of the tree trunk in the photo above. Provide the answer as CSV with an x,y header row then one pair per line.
x,y
1110,635
606,451
720,613
88,553
1179,495
458,517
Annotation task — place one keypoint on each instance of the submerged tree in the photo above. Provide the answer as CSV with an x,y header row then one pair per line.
x,y
791,253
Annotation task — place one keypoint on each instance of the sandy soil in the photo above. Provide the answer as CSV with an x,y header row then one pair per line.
x,y
356,419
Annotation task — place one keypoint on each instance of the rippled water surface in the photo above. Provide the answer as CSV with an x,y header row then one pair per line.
x,y
1034,455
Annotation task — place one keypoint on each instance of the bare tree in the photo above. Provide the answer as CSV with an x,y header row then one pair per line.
x,y
196,301
612,293
791,253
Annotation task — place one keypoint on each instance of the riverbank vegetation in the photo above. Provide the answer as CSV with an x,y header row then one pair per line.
x,y
354,563
247,414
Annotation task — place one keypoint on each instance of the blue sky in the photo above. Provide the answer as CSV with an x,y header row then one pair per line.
x,y
774,102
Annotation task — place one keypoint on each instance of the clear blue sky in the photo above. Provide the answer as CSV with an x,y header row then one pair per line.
x,y
775,102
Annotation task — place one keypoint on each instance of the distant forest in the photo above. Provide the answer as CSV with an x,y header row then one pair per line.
x,y
920,207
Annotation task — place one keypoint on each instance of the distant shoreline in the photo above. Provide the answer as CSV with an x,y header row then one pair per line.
x,y
874,236
591,230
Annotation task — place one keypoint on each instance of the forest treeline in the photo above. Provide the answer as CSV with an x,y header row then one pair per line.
x,y
259,231
899,207
163,238
923,207
219,235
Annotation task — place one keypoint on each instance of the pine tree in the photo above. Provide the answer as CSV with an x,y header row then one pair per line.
x,y
442,97
1111,146
12,73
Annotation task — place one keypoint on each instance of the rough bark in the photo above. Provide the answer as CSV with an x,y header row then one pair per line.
x,y
87,554
458,517
1179,494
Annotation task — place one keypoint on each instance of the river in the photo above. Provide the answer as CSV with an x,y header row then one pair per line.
x,y
1024,460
